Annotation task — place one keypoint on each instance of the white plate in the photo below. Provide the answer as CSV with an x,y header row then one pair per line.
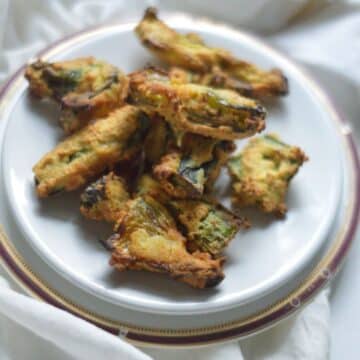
x,y
30,268
271,254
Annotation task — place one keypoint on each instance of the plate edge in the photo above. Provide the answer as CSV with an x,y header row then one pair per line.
x,y
143,336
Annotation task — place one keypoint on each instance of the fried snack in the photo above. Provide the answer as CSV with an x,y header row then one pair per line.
x,y
103,199
217,67
148,185
262,171
106,197
90,151
147,239
217,113
206,224
85,88
186,51
157,140
189,171
131,168
222,79
181,76
246,79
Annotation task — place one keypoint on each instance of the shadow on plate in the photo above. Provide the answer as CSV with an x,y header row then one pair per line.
x,y
65,208
46,111
276,108
159,285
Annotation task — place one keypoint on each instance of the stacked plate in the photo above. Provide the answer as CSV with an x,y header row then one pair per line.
x,y
271,271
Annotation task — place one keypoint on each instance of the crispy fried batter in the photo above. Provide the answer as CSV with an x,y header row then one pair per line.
x,y
148,185
189,171
246,79
103,199
148,240
54,80
222,79
181,76
186,51
216,67
158,140
206,224
85,88
217,113
262,171
90,151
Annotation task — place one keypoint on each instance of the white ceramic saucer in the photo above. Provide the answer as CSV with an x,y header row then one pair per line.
x,y
264,264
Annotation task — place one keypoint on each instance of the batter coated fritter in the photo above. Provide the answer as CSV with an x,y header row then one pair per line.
x,y
215,67
159,139
90,151
85,88
217,113
103,199
261,173
147,239
189,171
207,225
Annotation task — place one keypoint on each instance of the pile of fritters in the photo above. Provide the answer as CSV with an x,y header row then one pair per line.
x,y
153,143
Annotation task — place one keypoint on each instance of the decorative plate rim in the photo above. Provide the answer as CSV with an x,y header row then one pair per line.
x,y
17,268
256,291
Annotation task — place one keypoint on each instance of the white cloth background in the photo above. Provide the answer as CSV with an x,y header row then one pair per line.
x,y
319,32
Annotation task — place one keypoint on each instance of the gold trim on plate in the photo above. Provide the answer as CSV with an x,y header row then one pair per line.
x,y
293,300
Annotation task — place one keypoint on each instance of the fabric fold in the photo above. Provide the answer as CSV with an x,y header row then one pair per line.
x,y
317,34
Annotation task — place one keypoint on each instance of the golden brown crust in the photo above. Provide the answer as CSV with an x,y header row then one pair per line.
x,y
85,88
171,47
148,240
214,66
167,172
158,139
217,113
78,110
193,168
220,157
104,199
261,173
90,151
207,225
198,270
262,84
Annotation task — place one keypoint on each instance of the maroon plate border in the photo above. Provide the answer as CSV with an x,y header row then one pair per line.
x,y
16,266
